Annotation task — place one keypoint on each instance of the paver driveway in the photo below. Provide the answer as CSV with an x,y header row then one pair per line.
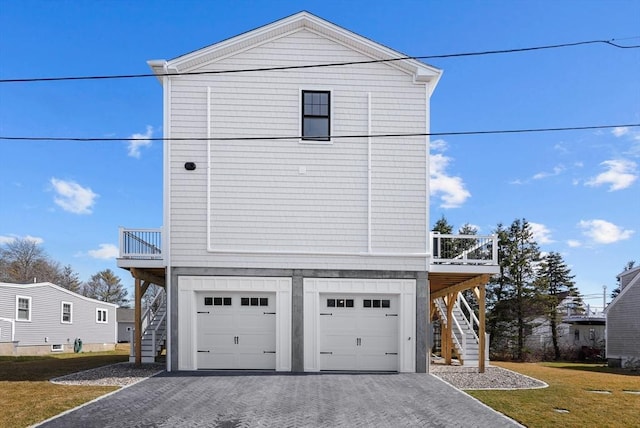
x,y
215,399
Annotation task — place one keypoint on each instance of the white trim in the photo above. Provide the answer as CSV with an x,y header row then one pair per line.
x,y
62,321
102,319
405,289
28,298
189,285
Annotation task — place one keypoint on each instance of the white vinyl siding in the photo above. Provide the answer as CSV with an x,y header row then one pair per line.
x,y
66,312
623,323
282,196
23,308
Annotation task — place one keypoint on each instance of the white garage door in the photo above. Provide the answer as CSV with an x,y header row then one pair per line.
x,y
358,332
236,330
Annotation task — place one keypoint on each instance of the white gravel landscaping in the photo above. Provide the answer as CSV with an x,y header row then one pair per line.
x,y
493,378
120,374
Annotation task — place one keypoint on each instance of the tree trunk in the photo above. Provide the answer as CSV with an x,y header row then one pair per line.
x,y
554,339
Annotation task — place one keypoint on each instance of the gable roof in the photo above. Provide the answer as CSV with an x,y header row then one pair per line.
x,y
633,283
297,22
30,286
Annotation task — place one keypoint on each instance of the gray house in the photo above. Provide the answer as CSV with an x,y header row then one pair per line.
x,y
623,322
125,318
296,216
42,318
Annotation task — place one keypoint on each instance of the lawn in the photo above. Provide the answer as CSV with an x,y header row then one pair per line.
x,y
27,395
578,395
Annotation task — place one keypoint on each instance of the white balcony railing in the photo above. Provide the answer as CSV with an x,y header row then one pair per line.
x,y
464,249
144,244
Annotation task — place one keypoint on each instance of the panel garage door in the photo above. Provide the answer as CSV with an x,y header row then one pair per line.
x,y
236,330
359,332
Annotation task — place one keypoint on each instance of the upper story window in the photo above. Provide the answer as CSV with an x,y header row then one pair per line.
x,y
316,115
101,315
66,309
23,308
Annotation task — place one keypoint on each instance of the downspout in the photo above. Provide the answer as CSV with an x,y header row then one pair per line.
x,y
369,190
166,241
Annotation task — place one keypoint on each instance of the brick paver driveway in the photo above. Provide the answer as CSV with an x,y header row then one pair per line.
x,y
214,399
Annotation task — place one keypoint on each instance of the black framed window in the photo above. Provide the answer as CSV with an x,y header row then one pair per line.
x,y
316,115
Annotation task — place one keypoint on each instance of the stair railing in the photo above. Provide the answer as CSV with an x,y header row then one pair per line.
x,y
460,344
461,301
155,331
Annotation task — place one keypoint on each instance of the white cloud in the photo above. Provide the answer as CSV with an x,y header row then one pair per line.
x,y
557,170
72,197
541,233
603,232
106,251
11,238
573,243
620,174
450,189
619,131
136,141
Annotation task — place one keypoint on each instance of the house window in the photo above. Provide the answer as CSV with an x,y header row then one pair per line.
x,y
101,316
23,308
56,348
66,310
316,117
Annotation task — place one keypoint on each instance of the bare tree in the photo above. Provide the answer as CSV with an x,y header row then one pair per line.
x,y
23,261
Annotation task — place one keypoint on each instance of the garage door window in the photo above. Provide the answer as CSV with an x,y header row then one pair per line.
x,y
376,303
217,301
339,303
254,301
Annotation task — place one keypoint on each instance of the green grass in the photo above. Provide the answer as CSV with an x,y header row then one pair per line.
x,y
27,395
571,387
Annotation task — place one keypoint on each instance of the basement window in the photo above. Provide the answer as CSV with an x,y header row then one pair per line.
x,y
56,348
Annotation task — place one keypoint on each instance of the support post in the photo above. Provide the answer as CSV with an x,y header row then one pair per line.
x,y
138,321
450,301
481,328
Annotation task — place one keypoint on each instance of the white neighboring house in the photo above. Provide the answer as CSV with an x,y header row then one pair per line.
x,y
581,330
42,318
294,238
623,322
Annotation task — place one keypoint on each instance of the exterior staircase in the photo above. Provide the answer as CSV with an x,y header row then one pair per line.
x,y
464,330
154,331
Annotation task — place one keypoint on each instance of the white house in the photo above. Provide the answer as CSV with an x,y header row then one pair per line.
x,y
43,317
623,322
296,206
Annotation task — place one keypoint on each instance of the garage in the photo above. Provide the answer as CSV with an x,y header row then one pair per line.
x,y
365,324
358,332
236,330
234,322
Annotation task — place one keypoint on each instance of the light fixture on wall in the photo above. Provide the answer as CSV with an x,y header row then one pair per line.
x,y
190,166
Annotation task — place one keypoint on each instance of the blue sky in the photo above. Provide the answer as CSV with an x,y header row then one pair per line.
x,y
579,189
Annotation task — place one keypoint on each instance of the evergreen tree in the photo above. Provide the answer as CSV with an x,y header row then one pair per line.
x,y
555,282
106,286
513,291
70,280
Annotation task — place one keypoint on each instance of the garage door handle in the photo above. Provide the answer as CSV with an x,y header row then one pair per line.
x,y
326,314
203,351
268,352
203,312
326,353
390,353
268,313
390,315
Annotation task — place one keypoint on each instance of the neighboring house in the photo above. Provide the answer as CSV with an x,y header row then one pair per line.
x,y
125,318
581,330
623,322
296,236
43,317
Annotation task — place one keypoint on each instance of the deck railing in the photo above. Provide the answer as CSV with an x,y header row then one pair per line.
x,y
141,244
464,249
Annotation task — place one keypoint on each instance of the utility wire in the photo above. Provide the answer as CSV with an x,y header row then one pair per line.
x,y
335,64
416,134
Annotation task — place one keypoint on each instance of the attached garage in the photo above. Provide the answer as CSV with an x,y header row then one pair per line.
x,y
236,330
359,324
234,323
358,332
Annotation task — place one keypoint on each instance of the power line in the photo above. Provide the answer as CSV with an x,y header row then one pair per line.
x,y
415,134
335,64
